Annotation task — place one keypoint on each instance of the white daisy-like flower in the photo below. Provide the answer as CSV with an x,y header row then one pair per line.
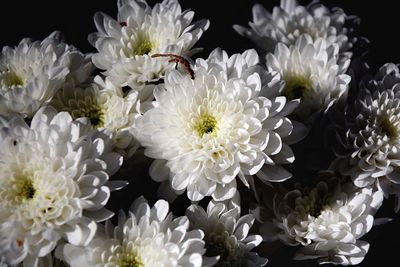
x,y
146,237
327,221
226,234
32,72
369,146
53,183
106,106
290,20
125,47
205,132
311,73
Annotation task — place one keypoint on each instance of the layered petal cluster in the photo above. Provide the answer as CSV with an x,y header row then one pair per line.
x,y
32,72
369,148
327,221
206,131
126,46
290,20
54,183
227,238
46,261
312,73
146,237
107,107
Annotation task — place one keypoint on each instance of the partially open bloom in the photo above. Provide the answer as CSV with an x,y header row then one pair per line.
x,y
327,221
53,183
312,73
227,238
126,46
105,105
146,237
369,148
205,132
32,72
290,20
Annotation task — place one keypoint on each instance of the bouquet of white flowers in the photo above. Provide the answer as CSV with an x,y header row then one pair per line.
x,y
218,160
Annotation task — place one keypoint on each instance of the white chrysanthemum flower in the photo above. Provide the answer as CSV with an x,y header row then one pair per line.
x,y
227,238
327,221
46,261
369,148
311,73
147,237
31,73
206,131
126,46
105,105
53,183
289,21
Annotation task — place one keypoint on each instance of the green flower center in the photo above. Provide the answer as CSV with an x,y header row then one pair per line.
x,y
205,124
297,86
25,188
219,245
130,260
388,128
93,112
143,48
11,79
314,207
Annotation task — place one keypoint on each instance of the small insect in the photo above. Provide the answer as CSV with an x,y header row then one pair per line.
x,y
178,59
123,24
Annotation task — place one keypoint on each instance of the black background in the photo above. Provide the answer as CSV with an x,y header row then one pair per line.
x,y
379,23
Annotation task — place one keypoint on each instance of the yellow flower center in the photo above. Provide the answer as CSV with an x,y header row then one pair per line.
x,y
130,260
143,48
93,112
388,128
25,189
297,86
205,124
11,79
314,204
